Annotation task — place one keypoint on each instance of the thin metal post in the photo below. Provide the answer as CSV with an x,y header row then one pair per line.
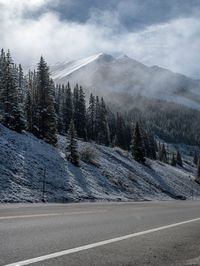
x,y
43,185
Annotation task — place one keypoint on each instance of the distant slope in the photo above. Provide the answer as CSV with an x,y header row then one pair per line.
x,y
25,160
66,68
103,73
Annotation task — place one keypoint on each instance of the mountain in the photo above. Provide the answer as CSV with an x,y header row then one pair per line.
x,y
103,74
27,163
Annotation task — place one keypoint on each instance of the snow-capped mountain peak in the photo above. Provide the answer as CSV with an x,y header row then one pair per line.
x,y
102,73
66,68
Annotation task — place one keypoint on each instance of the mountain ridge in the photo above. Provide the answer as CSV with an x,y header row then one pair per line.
x,y
105,74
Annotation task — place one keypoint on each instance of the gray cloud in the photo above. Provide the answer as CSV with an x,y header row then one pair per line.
x,y
163,32
133,14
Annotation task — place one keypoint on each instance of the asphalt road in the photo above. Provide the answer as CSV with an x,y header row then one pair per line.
x,y
147,233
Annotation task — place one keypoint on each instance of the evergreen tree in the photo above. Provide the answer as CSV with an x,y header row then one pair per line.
x,y
153,147
104,131
179,159
91,115
173,160
76,113
2,85
195,160
160,151
115,141
60,107
82,115
137,145
163,154
128,129
197,179
46,122
12,114
29,105
72,149
112,126
68,114
22,84
120,132
149,143
35,100
97,120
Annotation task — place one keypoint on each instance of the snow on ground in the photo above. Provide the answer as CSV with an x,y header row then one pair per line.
x,y
26,164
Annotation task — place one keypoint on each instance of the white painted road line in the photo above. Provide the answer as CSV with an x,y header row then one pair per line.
x,y
28,216
97,244
47,214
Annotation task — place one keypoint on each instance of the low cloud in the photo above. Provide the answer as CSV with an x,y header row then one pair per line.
x,y
30,28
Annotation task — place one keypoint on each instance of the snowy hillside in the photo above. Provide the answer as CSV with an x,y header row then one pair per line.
x,y
66,68
25,162
103,73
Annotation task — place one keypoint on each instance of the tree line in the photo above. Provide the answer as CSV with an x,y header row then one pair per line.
x,y
34,103
170,121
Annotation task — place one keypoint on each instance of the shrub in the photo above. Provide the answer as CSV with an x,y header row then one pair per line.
x,y
88,155
123,153
132,177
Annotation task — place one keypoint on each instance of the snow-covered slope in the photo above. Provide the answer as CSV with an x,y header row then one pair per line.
x,y
61,70
25,162
103,73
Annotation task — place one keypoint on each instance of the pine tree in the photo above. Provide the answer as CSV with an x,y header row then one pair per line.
x,y
163,153
112,127
22,84
2,85
91,115
72,149
173,160
29,106
114,141
35,100
12,113
179,159
128,129
120,132
47,127
68,109
61,108
76,113
97,120
82,114
149,143
195,160
153,147
30,102
137,145
197,179
51,121
104,131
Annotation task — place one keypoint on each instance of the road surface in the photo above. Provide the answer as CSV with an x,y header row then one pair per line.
x,y
124,234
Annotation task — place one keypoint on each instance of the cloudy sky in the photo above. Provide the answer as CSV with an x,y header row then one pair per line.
x,y
155,32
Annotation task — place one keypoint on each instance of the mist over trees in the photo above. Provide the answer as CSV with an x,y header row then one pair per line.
x,y
32,102
170,121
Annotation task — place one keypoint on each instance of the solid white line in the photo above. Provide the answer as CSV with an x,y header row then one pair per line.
x,y
28,216
97,244
48,214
